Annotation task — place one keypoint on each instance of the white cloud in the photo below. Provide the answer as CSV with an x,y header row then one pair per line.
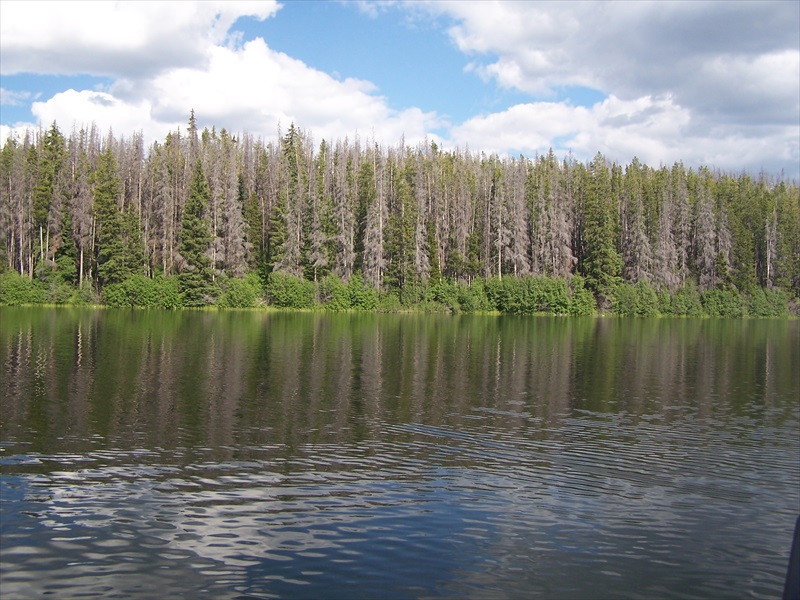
x,y
748,90
12,97
115,38
170,57
657,131
372,8
250,88
742,57
632,49
644,127
106,111
706,83
6,132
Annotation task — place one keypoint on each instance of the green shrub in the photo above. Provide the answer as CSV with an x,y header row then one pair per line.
x,y
581,302
389,302
413,293
362,296
553,296
523,295
168,291
778,300
67,270
84,295
720,302
638,300
59,292
646,300
16,289
623,300
664,301
333,293
686,301
116,295
472,297
135,291
139,291
768,303
529,295
241,292
445,292
501,295
288,291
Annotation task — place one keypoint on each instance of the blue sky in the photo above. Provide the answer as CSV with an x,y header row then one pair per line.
x,y
700,82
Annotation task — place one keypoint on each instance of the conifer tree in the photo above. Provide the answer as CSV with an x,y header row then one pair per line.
x,y
366,198
602,263
51,161
284,244
399,245
196,277
112,266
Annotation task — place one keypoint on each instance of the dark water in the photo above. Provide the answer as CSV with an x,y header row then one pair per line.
x,y
250,455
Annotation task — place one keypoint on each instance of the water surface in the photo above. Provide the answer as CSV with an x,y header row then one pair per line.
x,y
262,455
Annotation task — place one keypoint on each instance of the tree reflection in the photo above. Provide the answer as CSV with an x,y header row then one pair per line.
x,y
227,381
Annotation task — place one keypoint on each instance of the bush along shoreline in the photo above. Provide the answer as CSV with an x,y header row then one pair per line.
x,y
526,295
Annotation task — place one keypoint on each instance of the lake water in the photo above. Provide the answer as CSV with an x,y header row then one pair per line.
x,y
263,455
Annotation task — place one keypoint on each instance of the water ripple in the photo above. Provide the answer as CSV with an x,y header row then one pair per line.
x,y
635,507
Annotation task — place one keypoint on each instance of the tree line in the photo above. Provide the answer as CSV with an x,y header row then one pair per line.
x,y
210,218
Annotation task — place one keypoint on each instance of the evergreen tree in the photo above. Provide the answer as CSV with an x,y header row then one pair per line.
x,y
602,263
367,194
132,235
67,255
51,161
254,225
196,277
635,242
400,229
110,247
787,244
285,224
319,251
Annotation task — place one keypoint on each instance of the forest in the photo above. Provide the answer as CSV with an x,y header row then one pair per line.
x,y
208,218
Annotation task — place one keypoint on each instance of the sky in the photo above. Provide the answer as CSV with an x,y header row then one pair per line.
x,y
704,83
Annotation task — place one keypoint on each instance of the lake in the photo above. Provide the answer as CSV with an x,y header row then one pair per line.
x,y
275,455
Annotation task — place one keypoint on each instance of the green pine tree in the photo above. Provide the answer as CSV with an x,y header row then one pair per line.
x,y
51,161
602,263
196,281
112,266
367,195
284,243
399,245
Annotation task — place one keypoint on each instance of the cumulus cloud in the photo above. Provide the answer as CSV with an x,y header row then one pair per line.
x,y
166,58
692,51
657,131
644,127
115,38
250,88
703,82
700,81
104,110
